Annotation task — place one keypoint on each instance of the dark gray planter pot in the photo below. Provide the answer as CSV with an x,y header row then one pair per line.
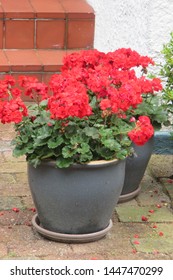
x,y
135,169
76,200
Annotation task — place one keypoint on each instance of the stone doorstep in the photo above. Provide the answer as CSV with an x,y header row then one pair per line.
x,y
46,9
47,31
41,24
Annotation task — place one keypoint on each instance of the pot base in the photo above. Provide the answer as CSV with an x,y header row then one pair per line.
x,y
69,238
129,196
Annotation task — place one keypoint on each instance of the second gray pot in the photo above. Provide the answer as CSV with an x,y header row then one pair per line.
x,y
135,169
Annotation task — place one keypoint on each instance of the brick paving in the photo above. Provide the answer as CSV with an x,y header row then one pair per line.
x,y
142,228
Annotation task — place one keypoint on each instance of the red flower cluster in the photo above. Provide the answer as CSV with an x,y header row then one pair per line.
x,y
142,132
108,79
150,86
12,108
12,111
70,98
33,88
111,77
6,88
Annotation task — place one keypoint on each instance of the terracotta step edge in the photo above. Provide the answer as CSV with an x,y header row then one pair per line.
x,y
70,9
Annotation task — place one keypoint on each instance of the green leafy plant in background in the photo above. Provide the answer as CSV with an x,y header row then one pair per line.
x,y
166,73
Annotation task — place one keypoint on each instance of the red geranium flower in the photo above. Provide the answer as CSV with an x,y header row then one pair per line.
x,y
142,132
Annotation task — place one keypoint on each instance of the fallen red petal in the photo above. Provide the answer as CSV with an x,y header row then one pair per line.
x,y
136,236
155,226
15,209
161,233
170,181
136,242
1,213
33,209
155,252
134,251
151,211
144,218
159,206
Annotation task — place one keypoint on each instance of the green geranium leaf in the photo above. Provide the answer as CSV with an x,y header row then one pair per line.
x,y
70,130
68,152
53,143
79,138
105,132
83,149
39,142
86,157
105,153
17,152
91,132
44,132
122,154
64,162
35,162
112,144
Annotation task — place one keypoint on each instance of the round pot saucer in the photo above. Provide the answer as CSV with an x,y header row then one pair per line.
x,y
69,238
129,196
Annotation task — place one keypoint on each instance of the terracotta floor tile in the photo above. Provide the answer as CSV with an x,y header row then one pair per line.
x,y
19,34
46,76
51,59
77,9
21,9
48,9
1,12
50,34
4,65
23,60
1,33
80,34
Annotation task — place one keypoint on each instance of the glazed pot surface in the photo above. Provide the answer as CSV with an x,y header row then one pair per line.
x,y
135,169
79,199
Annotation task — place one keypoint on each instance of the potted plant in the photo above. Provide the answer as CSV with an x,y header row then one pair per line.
x,y
76,137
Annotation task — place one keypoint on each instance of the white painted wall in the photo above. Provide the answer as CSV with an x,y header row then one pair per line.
x,y
143,25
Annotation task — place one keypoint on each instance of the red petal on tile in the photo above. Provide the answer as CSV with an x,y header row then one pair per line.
x,y
134,251
154,226
144,218
15,209
170,181
136,242
159,206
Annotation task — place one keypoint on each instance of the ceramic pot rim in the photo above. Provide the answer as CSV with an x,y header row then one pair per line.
x,y
91,164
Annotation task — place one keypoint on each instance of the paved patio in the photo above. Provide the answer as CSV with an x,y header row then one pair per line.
x,y
142,228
